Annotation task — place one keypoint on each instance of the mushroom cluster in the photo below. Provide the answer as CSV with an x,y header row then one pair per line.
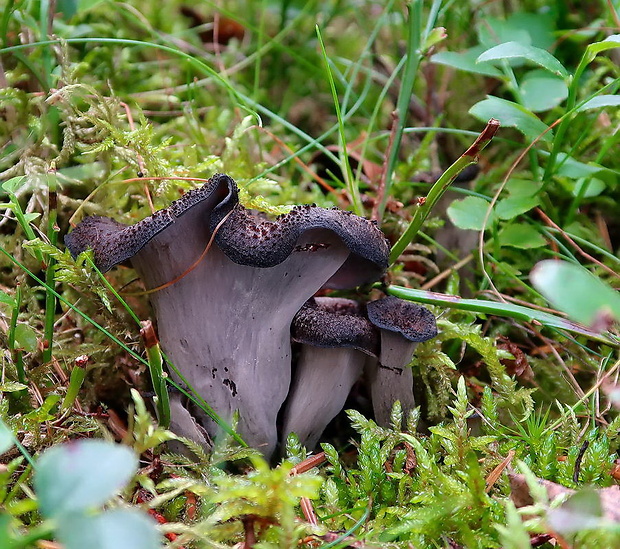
x,y
226,319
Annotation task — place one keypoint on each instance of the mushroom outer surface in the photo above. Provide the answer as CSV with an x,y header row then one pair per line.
x,y
412,321
336,339
224,320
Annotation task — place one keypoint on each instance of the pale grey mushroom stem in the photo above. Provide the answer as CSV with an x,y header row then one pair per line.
x,y
320,388
336,340
403,325
244,316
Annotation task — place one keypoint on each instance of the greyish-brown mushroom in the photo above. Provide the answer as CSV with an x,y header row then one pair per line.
x,y
403,325
336,340
224,321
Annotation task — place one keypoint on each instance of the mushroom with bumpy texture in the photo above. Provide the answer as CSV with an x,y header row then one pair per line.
x,y
224,320
336,340
403,325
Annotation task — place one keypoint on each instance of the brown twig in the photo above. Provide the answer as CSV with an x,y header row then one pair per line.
x,y
302,467
308,463
248,529
579,459
483,139
447,272
190,268
497,472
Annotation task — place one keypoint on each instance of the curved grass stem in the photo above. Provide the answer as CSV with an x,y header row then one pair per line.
x,y
470,156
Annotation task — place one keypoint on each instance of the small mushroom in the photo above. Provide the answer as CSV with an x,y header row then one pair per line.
x,y
336,340
403,325
224,319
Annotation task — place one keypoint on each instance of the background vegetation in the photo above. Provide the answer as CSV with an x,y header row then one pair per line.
x,y
115,108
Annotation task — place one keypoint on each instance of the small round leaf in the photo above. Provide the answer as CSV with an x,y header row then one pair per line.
x,y
581,295
116,529
470,213
80,475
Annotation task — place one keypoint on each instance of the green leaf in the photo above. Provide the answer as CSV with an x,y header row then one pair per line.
x,y
593,50
536,29
521,235
469,213
82,474
13,184
6,438
522,187
116,529
569,167
600,101
466,61
11,387
513,206
6,298
511,115
540,27
25,338
495,31
593,187
70,7
30,217
574,290
520,51
541,91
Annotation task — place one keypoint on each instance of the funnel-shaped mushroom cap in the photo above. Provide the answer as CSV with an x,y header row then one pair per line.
x,y
334,322
244,238
336,341
403,325
412,321
224,321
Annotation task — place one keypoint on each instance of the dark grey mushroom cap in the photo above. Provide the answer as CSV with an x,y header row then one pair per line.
x,y
334,322
415,323
112,242
336,341
242,237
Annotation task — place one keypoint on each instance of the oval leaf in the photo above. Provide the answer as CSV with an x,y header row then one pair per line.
x,y
12,185
541,91
81,475
470,213
465,61
521,235
574,290
513,206
6,298
117,529
600,101
511,115
25,338
518,50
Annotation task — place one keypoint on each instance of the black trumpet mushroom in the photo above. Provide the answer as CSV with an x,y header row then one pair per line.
x,y
403,325
336,341
224,319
